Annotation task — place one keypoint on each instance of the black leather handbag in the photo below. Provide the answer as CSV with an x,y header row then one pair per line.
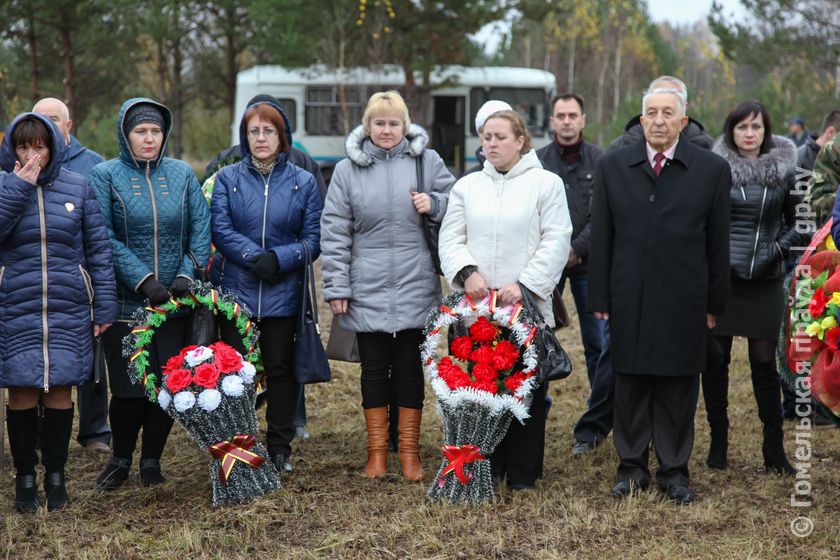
x,y
431,229
553,362
309,363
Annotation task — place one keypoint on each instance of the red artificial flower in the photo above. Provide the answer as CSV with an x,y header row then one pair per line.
x,y
482,355
818,303
505,355
515,381
485,373
206,375
483,330
462,347
225,358
488,386
452,374
173,363
831,338
178,379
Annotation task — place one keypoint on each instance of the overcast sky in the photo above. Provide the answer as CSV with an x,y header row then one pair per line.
x,y
684,12
680,12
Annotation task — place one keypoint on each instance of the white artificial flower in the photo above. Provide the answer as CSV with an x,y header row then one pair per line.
x,y
184,400
164,399
247,372
198,355
209,399
233,386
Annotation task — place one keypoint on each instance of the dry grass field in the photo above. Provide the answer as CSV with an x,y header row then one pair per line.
x,y
327,509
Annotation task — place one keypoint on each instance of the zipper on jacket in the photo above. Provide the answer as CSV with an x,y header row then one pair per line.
x,y
757,232
266,180
391,242
44,320
154,212
88,288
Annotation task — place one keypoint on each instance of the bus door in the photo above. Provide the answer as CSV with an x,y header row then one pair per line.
x,y
448,131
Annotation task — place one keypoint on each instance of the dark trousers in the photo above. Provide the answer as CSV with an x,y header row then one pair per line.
x,y
92,400
130,409
654,408
597,421
276,344
519,456
591,329
391,366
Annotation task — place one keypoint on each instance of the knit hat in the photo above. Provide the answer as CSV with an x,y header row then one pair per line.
x,y
142,113
492,106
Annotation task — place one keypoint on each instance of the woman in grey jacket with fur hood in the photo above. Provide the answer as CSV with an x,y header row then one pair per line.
x,y
379,277
762,236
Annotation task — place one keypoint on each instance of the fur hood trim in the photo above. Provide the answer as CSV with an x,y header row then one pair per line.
x,y
769,169
356,150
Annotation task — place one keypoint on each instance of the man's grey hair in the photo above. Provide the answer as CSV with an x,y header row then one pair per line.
x,y
681,102
659,83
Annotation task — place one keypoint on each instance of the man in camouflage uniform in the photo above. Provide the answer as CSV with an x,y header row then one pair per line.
x,y
824,182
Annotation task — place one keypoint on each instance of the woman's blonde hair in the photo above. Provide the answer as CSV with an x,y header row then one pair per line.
x,y
517,124
385,102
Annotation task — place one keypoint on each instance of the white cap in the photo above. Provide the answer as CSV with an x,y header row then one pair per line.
x,y
492,106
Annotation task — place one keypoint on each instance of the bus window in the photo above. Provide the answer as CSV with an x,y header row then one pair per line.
x,y
530,103
290,107
323,114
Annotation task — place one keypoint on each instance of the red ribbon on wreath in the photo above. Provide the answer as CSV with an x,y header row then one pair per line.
x,y
458,456
229,452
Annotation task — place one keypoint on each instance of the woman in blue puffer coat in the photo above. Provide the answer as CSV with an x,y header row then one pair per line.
x,y
159,226
57,292
264,211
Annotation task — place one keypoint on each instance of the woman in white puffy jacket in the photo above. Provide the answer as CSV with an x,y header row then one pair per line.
x,y
509,224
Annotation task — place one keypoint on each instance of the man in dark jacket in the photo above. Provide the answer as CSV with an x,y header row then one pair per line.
x,y
296,155
92,397
596,422
659,271
806,154
573,159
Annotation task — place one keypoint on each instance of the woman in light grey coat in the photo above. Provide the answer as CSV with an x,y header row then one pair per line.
x,y
379,277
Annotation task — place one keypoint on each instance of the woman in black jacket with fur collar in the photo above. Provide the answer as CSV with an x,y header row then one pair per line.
x,y
762,234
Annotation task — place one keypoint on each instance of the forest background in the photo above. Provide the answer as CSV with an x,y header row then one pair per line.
x,y
96,53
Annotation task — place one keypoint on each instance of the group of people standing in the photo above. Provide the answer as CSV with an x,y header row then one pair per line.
x,y
642,233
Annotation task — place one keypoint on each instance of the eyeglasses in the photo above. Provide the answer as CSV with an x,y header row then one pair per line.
x,y
267,132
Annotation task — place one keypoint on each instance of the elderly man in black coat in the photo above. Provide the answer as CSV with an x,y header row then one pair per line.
x,y
659,271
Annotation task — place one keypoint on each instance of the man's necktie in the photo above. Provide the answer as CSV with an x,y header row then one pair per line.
x,y
658,159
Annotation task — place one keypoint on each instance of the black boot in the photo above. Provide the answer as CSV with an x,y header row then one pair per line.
x,y
23,441
55,440
768,398
114,475
715,394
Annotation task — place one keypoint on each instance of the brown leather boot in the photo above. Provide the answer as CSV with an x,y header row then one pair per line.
x,y
377,446
409,444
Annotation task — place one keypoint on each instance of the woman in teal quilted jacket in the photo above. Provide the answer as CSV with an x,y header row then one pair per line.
x,y
159,226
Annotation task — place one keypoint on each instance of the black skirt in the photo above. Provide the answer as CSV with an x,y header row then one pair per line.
x,y
755,309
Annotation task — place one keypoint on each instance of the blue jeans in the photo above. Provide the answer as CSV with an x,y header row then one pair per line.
x,y
591,329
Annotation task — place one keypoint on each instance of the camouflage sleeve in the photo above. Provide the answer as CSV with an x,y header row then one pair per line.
x,y
824,181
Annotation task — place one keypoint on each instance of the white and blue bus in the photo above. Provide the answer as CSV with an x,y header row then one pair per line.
x,y
321,114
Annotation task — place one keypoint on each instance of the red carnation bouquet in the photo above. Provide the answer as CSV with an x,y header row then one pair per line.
x,y
483,384
810,337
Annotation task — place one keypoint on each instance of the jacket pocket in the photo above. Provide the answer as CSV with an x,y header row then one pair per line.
x,y
88,287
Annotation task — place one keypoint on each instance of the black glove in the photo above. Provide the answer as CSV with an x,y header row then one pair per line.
x,y
180,287
264,265
154,291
